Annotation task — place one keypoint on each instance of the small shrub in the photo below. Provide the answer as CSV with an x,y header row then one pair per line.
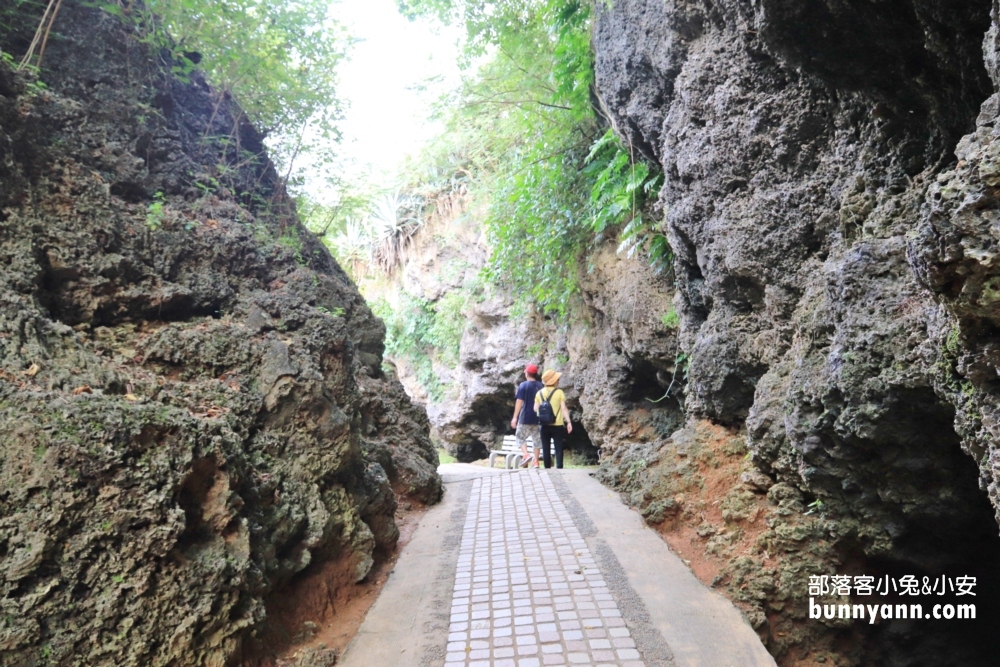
x,y
336,312
156,211
670,319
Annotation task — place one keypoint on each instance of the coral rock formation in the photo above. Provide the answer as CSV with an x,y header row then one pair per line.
x,y
811,197
192,407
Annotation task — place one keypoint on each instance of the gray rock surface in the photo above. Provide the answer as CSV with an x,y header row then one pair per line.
x,y
617,356
811,197
192,408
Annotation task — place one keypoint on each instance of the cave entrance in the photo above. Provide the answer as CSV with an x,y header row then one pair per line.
x,y
578,444
938,549
941,525
655,391
655,385
645,384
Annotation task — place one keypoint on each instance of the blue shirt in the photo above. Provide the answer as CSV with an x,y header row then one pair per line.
x,y
526,392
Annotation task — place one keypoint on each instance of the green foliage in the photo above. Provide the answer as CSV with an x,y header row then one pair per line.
x,y
377,239
277,59
24,22
816,507
953,342
353,248
670,319
681,363
32,84
445,457
549,176
336,312
635,470
641,236
290,239
423,332
534,349
394,221
536,232
622,190
156,211
352,199
445,334
14,10
528,117
622,185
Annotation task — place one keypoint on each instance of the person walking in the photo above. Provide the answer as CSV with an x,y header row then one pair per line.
x,y
554,433
525,421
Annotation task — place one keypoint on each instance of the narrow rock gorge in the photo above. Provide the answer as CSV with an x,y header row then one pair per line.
x,y
193,414
198,415
831,199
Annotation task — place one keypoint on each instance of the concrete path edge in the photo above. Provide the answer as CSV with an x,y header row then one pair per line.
x,y
702,628
408,624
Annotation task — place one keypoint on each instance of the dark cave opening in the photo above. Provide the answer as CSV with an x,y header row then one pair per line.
x,y
924,490
656,391
648,384
972,549
578,442
482,428
964,543
489,420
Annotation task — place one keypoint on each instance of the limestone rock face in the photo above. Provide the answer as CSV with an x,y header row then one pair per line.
x,y
617,356
812,197
953,253
192,407
491,365
627,365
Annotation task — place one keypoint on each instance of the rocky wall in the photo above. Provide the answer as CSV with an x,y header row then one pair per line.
x,y
811,196
192,406
618,351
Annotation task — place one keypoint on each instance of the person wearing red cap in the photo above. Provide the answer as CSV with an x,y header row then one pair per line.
x,y
525,421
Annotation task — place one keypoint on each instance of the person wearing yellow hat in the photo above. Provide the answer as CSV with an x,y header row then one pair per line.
x,y
555,432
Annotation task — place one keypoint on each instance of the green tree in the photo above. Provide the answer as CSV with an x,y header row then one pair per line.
x,y
543,164
277,59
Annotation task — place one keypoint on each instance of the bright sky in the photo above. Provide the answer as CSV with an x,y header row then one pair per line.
x,y
387,117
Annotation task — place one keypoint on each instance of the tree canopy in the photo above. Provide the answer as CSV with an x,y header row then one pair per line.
x,y
551,172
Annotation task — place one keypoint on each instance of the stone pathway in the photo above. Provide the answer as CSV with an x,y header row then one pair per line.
x,y
528,592
525,568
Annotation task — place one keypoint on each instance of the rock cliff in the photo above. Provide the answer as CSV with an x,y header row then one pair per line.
x,y
192,407
617,355
833,277
831,197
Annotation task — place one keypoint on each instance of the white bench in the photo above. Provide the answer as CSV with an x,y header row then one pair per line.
x,y
510,451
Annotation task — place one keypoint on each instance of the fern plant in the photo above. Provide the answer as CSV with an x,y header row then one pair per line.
x,y
639,235
622,190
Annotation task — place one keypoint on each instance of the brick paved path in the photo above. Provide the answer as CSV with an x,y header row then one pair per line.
x,y
528,591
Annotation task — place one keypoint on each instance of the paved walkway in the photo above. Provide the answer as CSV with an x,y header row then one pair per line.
x,y
528,592
525,568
